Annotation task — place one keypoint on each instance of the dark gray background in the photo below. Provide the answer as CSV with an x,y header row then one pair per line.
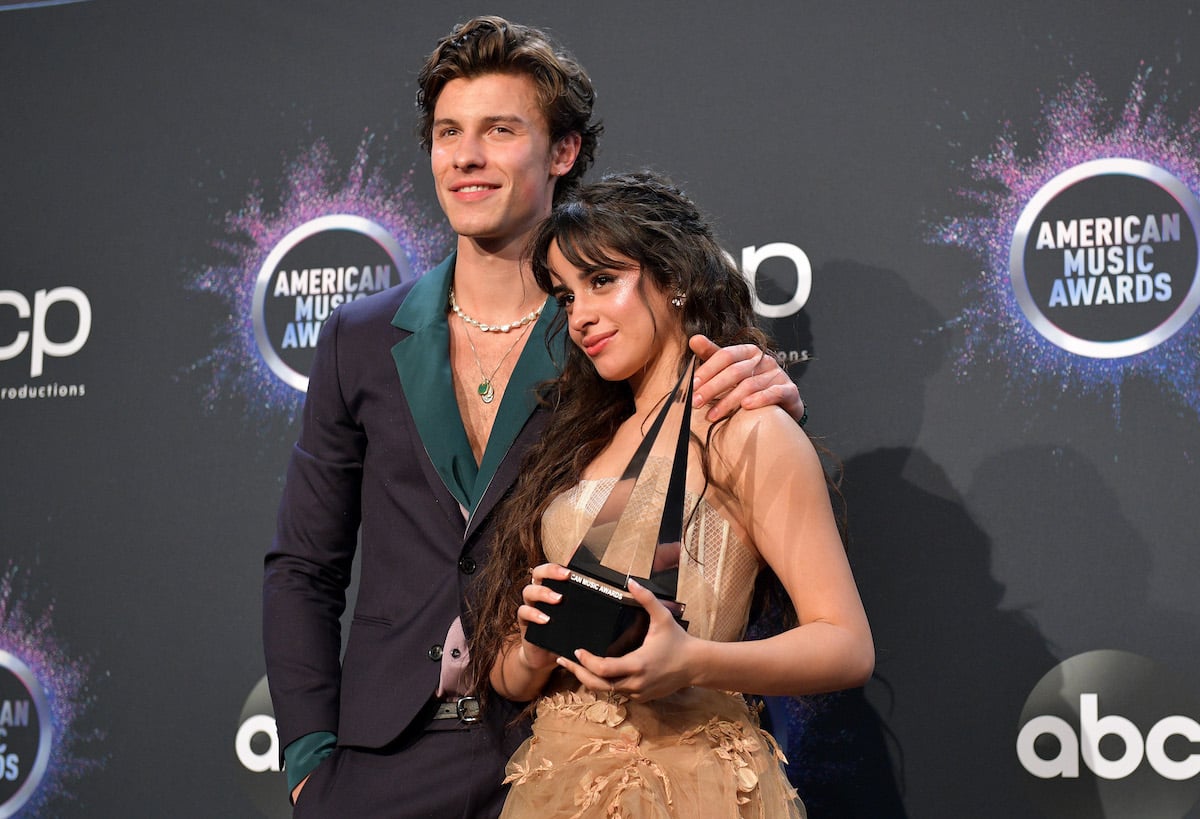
x,y
994,535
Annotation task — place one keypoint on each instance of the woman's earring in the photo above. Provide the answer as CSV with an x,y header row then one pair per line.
x,y
677,300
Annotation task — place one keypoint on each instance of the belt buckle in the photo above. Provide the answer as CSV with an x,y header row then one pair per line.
x,y
468,710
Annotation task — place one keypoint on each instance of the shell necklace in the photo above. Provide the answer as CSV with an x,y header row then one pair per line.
x,y
494,328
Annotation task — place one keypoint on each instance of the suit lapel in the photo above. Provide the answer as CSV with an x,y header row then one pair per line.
x,y
507,471
520,400
423,365
447,501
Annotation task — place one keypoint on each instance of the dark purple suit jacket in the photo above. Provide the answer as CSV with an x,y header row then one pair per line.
x,y
360,461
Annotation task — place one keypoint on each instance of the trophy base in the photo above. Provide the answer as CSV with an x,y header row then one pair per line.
x,y
592,615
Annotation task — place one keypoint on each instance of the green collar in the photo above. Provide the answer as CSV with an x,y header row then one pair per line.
x,y
423,364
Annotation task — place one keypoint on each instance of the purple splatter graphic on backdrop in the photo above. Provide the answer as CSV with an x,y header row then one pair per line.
x,y
65,683
1077,127
310,191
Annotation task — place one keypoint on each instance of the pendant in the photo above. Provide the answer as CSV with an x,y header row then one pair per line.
x,y
486,392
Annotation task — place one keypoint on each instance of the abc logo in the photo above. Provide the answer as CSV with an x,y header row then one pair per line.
x,y
1109,733
256,745
37,337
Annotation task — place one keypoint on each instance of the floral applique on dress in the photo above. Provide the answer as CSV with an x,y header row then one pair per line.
x,y
695,753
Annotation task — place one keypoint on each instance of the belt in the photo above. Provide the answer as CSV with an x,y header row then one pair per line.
x,y
463,709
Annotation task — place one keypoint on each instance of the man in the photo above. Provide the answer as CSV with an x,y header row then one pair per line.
x,y
420,406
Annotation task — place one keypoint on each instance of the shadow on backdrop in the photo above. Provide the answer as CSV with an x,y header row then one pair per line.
x,y
1083,571
932,734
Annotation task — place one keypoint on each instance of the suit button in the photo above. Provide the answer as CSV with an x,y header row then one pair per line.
x,y
467,565
435,653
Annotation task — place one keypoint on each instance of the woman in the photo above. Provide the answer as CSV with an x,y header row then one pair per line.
x,y
656,732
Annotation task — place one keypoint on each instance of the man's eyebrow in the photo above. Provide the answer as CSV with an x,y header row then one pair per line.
x,y
493,119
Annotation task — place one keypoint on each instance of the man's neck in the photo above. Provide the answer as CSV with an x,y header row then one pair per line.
x,y
492,278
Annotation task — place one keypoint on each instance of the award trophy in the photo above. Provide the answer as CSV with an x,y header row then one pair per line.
x,y
597,612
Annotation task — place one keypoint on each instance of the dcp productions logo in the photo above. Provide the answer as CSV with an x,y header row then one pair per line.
x,y
55,323
1110,733
1104,258
26,734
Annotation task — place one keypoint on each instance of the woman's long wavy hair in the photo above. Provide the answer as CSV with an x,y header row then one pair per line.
x,y
641,217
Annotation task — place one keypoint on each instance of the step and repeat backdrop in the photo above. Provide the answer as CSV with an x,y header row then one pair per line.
x,y
974,231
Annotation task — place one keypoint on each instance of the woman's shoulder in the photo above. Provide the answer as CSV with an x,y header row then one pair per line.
x,y
761,444
765,425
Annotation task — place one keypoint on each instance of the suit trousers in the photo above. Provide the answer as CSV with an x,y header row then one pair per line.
x,y
443,771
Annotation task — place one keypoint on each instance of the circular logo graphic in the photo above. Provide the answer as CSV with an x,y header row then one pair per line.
x,y
1104,260
316,267
26,734
257,747
1109,733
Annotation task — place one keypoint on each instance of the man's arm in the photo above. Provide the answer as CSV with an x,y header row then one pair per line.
x,y
303,756
742,376
307,568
